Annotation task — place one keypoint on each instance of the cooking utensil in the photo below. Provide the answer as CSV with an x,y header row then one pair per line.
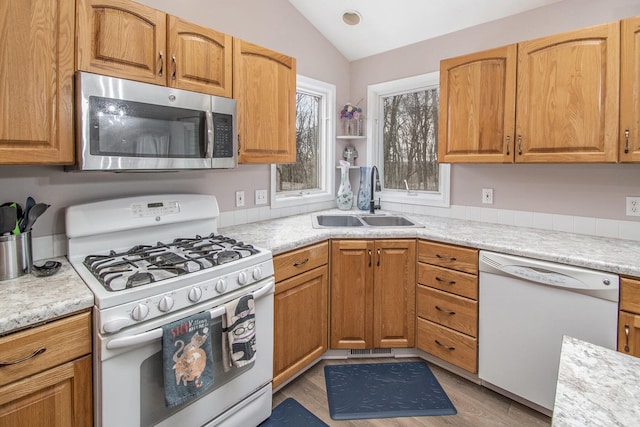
x,y
27,207
7,219
34,213
18,209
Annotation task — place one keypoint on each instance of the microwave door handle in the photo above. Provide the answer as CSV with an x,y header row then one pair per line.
x,y
209,121
154,334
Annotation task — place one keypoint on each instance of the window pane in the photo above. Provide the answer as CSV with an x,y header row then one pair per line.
x,y
303,175
410,136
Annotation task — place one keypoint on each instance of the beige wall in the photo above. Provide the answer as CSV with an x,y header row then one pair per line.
x,y
580,190
274,24
593,190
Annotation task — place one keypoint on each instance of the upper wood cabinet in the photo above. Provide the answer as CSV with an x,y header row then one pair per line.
x,y
36,71
477,107
264,85
121,38
566,101
567,96
630,90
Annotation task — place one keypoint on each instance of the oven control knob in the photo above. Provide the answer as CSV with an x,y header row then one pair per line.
x,y
195,294
221,286
139,312
257,273
165,304
242,278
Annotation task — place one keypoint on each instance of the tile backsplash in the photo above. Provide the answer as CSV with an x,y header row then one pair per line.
x,y
54,246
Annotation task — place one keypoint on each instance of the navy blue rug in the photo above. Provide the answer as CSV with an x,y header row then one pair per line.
x,y
291,413
385,390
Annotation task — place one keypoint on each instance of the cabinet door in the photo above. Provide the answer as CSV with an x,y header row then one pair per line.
x,y
477,107
567,106
630,90
36,100
121,38
351,294
300,322
264,84
200,58
394,293
60,396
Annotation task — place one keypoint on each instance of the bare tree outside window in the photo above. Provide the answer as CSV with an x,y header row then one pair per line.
x,y
410,136
302,176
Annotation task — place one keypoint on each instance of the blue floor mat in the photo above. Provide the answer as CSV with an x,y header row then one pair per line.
x,y
291,413
384,390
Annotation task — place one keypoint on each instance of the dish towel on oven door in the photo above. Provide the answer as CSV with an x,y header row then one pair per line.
x,y
239,337
187,358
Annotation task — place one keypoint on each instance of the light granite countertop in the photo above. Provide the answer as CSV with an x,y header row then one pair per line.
x,y
29,300
599,253
596,386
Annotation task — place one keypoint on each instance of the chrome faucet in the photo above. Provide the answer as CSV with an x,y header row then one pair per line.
x,y
372,204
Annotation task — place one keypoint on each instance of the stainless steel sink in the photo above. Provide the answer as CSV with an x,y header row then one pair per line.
x,y
387,221
363,220
337,221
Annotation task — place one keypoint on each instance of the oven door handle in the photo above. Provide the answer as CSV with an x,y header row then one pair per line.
x,y
154,334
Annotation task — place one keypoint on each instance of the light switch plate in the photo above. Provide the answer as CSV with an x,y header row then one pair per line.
x,y
487,196
239,199
261,197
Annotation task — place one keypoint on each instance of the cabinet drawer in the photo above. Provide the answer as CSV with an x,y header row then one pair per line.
x,y
630,295
448,310
300,260
62,341
463,284
456,257
451,346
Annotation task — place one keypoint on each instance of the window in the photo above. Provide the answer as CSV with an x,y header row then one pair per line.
x,y
404,141
311,178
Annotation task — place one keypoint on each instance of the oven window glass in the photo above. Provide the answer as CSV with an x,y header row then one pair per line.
x,y
135,129
152,407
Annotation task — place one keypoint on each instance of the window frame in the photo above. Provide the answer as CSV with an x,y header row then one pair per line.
x,y
375,93
326,180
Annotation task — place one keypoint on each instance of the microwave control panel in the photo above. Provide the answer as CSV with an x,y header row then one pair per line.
x,y
222,135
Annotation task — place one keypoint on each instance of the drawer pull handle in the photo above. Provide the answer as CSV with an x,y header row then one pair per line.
x,y
24,359
161,60
448,347
448,282
378,262
175,67
445,311
448,258
301,263
626,334
369,251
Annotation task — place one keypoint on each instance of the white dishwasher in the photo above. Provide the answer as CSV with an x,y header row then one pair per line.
x,y
525,307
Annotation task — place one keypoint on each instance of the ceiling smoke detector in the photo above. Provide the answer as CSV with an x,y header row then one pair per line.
x,y
351,17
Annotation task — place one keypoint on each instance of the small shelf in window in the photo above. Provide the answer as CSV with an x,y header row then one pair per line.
x,y
351,137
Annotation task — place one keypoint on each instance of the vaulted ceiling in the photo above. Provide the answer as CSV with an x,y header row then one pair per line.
x,y
389,24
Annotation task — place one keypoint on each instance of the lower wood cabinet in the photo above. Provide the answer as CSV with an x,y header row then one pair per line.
x,y
300,310
629,317
372,294
46,375
447,303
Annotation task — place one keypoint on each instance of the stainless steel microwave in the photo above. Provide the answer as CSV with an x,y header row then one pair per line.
x,y
124,125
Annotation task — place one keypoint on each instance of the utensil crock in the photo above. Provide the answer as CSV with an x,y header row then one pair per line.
x,y
15,255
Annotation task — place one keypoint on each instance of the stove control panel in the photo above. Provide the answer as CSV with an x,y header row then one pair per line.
x,y
114,319
155,208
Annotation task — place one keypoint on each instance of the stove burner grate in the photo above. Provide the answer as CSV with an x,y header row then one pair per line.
x,y
145,264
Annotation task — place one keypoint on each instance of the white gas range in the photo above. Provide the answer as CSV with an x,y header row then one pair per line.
x,y
152,260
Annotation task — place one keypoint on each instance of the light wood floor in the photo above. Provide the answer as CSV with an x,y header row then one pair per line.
x,y
476,405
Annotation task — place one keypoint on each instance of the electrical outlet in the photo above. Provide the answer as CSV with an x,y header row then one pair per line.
x,y
487,196
633,206
239,198
261,197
